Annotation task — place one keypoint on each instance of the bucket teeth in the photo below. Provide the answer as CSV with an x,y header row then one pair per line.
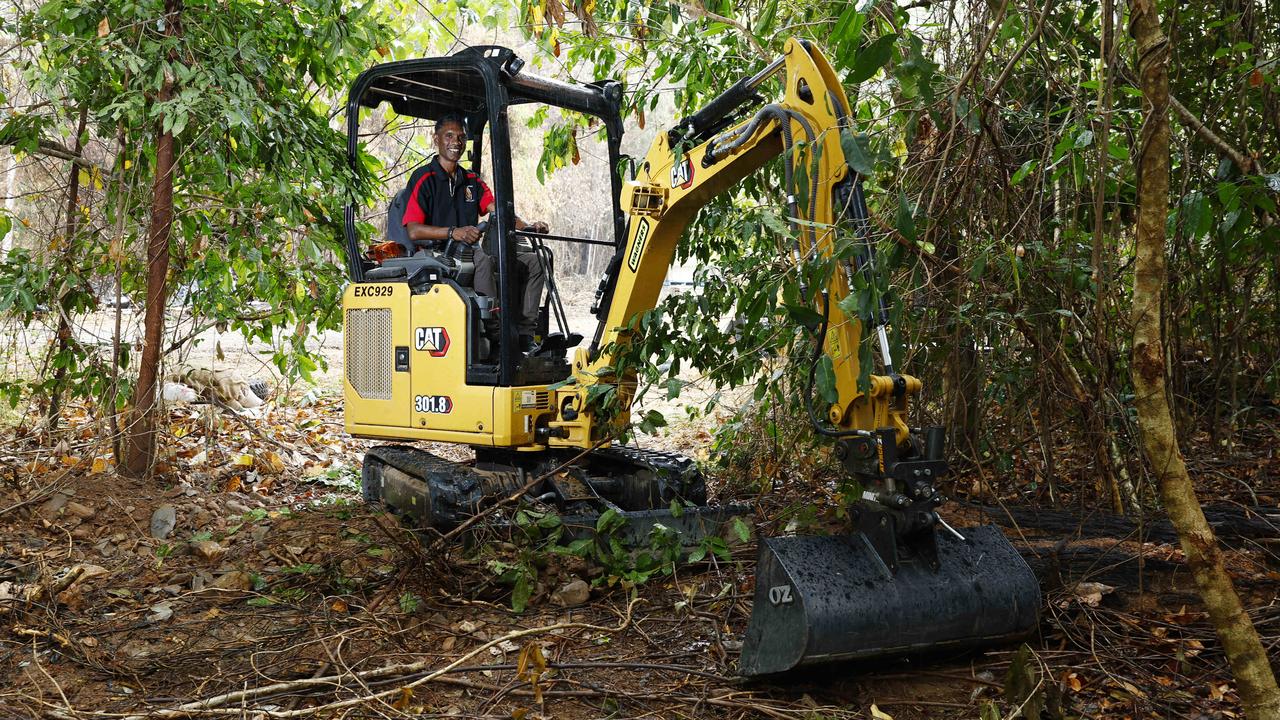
x,y
820,599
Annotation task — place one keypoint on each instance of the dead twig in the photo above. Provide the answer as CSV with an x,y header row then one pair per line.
x,y
214,705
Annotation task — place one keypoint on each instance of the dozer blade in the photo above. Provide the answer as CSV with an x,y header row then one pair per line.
x,y
820,599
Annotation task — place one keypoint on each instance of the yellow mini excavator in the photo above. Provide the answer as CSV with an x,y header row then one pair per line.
x,y
427,358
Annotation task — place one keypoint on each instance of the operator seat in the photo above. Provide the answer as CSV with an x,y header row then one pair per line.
x,y
463,257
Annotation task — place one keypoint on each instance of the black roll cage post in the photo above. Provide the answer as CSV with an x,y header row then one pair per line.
x,y
426,88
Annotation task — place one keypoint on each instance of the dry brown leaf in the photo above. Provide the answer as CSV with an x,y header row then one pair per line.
x,y
1255,78
1132,689
555,12
530,666
1090,593
270,463
402,702
104,28
339,605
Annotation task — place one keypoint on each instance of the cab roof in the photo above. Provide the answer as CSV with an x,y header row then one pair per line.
x,y
429,88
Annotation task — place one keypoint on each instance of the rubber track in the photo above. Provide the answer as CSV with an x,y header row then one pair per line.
x,y
414,461
682,471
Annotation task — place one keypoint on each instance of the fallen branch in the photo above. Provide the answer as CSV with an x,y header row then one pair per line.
x,y
214,705
444,539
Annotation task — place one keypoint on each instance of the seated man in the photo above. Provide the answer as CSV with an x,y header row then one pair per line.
x,y
445,203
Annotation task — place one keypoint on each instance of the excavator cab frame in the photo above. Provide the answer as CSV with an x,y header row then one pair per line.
x,y
480,83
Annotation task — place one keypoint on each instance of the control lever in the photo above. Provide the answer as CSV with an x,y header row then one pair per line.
x,y
453,248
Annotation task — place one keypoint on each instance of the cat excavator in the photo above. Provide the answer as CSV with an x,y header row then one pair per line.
x,y
426,358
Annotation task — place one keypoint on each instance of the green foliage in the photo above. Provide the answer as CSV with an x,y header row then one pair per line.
x,y
261,175
163,551
869,61
539,536
409,602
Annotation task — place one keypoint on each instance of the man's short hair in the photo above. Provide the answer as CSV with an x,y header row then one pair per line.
x,y
450,117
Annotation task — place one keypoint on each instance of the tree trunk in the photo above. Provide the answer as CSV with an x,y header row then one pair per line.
x,y
961,389
140,440
1255,680
69,252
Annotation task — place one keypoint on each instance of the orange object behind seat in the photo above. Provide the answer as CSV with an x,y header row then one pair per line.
x,y
385,250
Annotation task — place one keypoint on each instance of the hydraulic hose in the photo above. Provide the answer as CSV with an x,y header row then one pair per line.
x,y
721,146
818,425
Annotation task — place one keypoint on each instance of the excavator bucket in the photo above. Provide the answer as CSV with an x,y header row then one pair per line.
x,y
820,599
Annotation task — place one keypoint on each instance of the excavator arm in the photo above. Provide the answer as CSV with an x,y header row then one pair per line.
x,y
895,584
704,156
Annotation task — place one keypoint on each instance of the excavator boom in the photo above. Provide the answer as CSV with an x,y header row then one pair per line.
x,y
895,584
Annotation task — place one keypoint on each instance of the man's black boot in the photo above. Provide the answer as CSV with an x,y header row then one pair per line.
x,y
527,344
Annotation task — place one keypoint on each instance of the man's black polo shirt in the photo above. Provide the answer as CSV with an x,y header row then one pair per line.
x,y
438,200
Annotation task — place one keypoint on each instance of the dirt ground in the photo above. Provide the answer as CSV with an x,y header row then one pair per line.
x,y
248,579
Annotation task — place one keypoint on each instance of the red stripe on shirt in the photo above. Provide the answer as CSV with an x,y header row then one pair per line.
x,y
413,212
486,198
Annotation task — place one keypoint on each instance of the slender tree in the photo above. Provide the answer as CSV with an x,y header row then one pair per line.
x,y
1256,682
140,440
224,108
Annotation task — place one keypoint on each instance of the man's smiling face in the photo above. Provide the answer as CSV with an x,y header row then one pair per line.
x,y
451,140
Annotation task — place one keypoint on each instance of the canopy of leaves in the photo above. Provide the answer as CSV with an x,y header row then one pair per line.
x,y
261,174
997,142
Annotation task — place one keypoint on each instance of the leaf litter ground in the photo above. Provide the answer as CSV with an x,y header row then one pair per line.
x,y
278,593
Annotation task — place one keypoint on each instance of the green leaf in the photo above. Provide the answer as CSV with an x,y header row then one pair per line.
x,y
1196,222
848,29
871,58
826,380
857,151
521,593
764,24
979,266
905,220
803,315
609,521
563,383
580,547
741,529
652,421
1024,171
